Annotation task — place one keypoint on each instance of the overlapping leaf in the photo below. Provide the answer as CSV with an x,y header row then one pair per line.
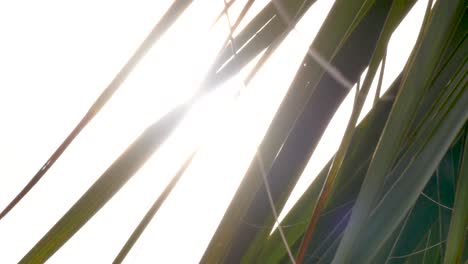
x,y
445,16
296,150
396,174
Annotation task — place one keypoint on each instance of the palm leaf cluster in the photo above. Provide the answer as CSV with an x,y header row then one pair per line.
x,y
396,191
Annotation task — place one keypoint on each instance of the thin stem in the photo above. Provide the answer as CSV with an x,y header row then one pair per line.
x,y
272,205
379,84
153,210
434,201
427,244
399,234
418,251
327,66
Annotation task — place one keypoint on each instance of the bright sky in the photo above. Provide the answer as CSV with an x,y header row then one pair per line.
x,y
57,56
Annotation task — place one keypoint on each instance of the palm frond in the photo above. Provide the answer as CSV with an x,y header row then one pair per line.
x,y
395,190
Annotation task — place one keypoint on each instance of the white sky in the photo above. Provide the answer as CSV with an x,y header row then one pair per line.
x,y
57,56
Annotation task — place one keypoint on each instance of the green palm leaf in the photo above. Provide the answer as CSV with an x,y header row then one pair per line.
x,y
302,87
105,187
296,150
445,16
396,189
458,224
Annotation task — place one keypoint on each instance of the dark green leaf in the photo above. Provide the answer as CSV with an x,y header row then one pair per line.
x,y
445,15
459,222
349,183
353,60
